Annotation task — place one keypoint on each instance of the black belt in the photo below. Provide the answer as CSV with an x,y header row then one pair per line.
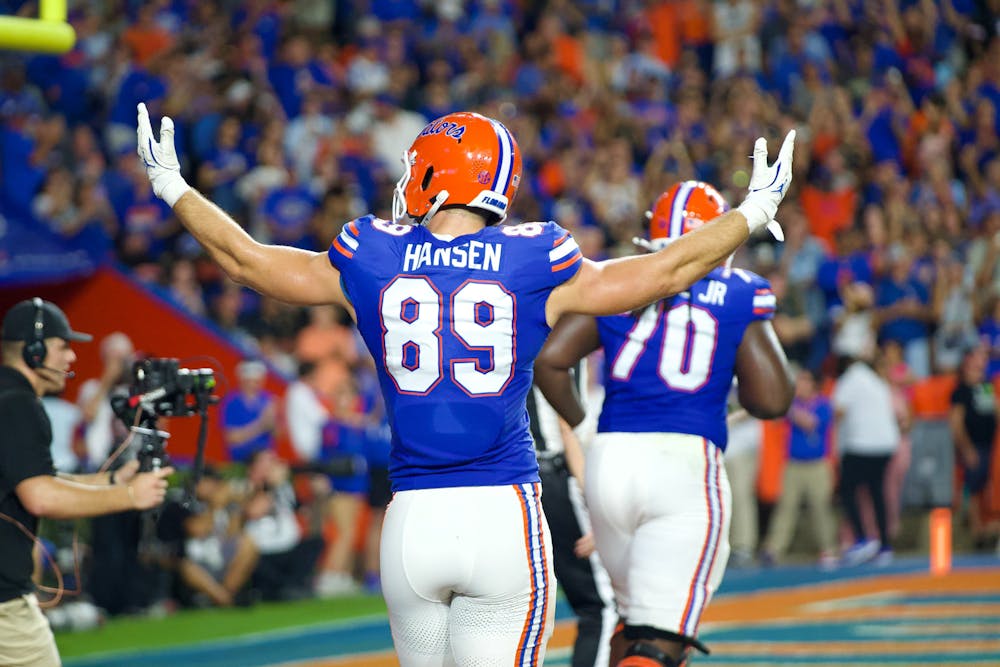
x,y
551,463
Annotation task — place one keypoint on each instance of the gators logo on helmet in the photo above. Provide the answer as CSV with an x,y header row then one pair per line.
x,y
459,159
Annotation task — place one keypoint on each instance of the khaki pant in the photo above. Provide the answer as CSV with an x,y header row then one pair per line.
x,y
26,639
812,480
742,469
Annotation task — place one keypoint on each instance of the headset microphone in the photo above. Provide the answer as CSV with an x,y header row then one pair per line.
x,y
68,374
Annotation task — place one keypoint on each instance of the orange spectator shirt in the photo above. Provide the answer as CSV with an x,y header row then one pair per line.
x,y
828,212
146,44
662,19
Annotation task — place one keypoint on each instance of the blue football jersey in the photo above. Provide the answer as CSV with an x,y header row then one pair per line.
x,y
670,369
454,327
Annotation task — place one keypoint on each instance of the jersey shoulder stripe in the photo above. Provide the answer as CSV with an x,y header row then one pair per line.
x,y
343,247
564,254
764,301
348,241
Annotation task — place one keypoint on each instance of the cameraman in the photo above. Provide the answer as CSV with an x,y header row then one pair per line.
x,y
36,356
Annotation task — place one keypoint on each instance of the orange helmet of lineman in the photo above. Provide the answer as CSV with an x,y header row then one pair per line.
x,y
462,159
685,206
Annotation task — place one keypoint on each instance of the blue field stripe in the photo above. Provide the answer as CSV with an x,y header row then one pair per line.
x,y
752,580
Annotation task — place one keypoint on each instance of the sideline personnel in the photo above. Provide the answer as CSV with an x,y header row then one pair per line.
x,y
36,357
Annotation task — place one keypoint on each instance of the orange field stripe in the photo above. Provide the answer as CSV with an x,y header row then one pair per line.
x,y
852,648
778,604
878,612
965,662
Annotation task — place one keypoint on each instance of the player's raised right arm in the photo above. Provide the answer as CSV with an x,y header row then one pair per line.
x,y
285,273
622,285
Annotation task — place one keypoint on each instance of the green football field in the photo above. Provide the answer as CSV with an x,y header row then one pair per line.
x,y
191,626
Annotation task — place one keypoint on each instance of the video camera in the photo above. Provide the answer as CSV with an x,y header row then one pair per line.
x,y
161,388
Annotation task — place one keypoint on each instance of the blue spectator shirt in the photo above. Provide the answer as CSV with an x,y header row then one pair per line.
x,y
989,333
238,410
901,329
805,446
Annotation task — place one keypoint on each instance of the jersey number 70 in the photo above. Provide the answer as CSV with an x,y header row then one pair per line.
x,y
413,336
689,341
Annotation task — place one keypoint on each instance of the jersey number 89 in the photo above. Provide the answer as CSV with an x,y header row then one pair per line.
x,y
413,340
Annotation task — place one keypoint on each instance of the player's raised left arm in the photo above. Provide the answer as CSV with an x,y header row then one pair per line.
x,y
765,383
622,285
288,274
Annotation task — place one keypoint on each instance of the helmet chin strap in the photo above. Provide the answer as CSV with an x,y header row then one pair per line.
x,y
399,194
439,200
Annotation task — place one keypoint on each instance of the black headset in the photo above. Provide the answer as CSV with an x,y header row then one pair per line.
x,y
34,350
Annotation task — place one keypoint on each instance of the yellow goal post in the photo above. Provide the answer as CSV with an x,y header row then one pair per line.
x,y
49,33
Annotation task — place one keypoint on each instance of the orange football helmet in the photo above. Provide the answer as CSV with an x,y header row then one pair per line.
x,y
460,159
685,206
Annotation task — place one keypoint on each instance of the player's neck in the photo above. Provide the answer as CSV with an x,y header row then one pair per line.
x,y
455,222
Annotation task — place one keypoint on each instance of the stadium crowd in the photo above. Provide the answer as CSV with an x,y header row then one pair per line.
x,y
292,115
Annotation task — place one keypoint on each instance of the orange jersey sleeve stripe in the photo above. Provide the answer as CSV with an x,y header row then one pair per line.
x,y
342,250
570,261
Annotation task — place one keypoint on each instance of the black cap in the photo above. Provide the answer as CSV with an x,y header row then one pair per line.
x,y
19,322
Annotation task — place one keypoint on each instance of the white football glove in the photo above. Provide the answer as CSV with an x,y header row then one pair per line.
x,y
768,185
160,158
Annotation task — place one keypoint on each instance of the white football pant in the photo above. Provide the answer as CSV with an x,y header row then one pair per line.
x,y
660,507
467,576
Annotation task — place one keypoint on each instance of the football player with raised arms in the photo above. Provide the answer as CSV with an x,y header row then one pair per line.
x,y
454,307
656,485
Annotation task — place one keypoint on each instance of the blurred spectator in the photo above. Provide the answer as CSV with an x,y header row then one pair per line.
x,y
343,443
903,311
327,339
306,413
296,74
892,366
808,475
989,334
393,130
315,434
103,432
66,419
378,442
224,165
145,38
305,134
792,323
742,460
853,321
867,436
184,288
737,43
249,413
954,311
219,557
287,558
287,211
973,420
